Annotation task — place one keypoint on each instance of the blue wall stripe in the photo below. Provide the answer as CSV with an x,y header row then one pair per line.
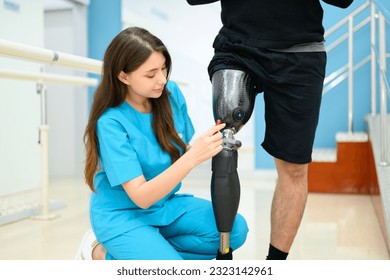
x,y
104,23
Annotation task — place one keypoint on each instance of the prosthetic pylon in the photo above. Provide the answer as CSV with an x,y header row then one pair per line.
x,y
225,191
233,101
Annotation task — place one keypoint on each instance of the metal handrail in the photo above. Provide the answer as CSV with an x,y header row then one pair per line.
x,y
48,78
383,73
336,77
382,9
345,20
377,57
344,37
384,87
41,55
347,71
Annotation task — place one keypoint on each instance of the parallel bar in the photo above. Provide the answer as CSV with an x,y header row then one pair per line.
x,y
48,78
41,55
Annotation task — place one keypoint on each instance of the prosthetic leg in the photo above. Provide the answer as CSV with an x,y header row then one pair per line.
x,y
233,101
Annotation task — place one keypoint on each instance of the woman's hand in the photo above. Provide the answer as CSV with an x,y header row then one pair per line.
x,y
207,145
146,193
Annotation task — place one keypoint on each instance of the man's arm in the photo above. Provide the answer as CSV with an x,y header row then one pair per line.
x,y
200,2
338,3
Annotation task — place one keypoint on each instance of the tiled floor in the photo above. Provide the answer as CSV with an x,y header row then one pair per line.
x,y
334,227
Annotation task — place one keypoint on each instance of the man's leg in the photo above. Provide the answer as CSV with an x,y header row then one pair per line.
x,y
288,205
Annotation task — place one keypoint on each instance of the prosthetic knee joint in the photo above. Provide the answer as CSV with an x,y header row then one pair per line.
x,y
233,101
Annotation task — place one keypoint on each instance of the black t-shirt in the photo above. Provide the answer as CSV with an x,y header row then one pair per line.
x,y
275,24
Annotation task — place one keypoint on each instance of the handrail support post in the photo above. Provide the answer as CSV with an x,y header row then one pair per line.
x,y
384,161
350,74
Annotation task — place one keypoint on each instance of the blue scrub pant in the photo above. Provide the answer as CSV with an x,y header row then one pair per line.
x,y
192,236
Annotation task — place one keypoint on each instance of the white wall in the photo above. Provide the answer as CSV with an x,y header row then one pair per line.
x,y
66,31
62,28
188,32
20,21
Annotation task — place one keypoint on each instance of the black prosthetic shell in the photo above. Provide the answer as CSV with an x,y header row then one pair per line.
x,y
234,95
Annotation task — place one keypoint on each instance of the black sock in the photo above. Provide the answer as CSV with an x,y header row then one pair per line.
x,y
276,254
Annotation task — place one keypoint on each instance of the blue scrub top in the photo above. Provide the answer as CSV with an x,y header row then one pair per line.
x,y
128,149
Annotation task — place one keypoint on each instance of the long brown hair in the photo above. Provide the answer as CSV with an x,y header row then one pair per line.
x,y
127,52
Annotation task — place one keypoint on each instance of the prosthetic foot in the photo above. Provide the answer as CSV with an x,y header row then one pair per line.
x,y
233,101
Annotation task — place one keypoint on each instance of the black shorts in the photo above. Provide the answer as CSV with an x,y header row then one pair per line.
x,y
292,83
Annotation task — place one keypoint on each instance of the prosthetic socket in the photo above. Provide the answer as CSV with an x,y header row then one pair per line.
x,y
234,95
